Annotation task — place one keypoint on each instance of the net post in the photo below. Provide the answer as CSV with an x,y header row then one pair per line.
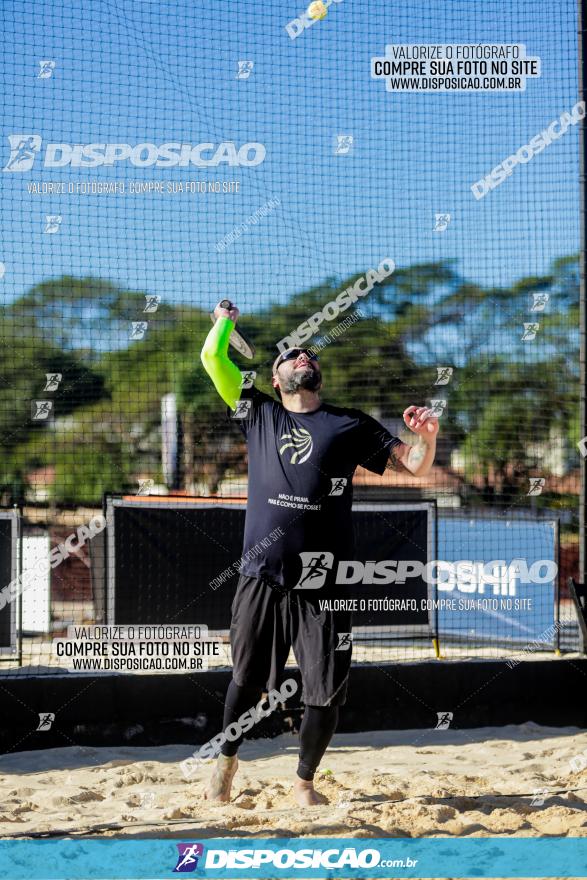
x,y
557,591
19,511
436,636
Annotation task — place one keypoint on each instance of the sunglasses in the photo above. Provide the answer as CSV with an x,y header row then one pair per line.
x,y
294,353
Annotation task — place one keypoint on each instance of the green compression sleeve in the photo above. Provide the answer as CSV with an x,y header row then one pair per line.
x,y
225,375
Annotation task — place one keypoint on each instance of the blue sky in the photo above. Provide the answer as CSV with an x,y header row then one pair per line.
x,y
145,71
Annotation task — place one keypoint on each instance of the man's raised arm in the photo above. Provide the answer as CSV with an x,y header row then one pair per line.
x,y
225,375
418,459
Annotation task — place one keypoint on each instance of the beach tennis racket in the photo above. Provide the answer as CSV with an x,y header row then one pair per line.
x,y
238,339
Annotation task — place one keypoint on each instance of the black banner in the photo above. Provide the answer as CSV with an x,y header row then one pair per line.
x,y
171,562
399,536
7,549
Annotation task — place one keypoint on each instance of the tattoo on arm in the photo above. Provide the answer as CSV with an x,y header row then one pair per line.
x,y
414,458
394,463
416,455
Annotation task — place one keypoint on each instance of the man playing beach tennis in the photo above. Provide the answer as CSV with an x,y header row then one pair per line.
x,y
302,457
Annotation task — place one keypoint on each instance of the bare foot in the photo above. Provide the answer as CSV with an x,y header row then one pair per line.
x,y
306,795
219,786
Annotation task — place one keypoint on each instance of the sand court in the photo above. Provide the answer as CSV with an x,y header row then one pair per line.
x,y
522,781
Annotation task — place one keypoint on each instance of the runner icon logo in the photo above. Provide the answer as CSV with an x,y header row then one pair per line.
x,y
243,409
315,567
344,641
23,150
46,720
188,855
248,378
338,485
444,719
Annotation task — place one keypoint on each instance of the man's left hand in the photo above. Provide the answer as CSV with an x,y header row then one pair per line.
x,y
420,421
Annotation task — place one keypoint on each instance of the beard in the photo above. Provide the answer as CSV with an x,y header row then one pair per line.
x,y
309,379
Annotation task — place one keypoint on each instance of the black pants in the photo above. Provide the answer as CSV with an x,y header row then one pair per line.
x,y
267,621
317,728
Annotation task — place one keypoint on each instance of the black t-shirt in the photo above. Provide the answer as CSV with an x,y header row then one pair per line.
x,y
301,467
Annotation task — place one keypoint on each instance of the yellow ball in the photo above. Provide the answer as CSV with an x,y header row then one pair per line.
x,y
317,10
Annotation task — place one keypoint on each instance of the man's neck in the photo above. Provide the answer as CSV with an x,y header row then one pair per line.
x,y
302,401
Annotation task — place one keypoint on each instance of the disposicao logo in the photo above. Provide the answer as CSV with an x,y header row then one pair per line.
x,y
25,147
187,858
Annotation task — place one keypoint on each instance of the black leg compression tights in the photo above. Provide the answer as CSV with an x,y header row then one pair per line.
x,y
318,726
238,700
